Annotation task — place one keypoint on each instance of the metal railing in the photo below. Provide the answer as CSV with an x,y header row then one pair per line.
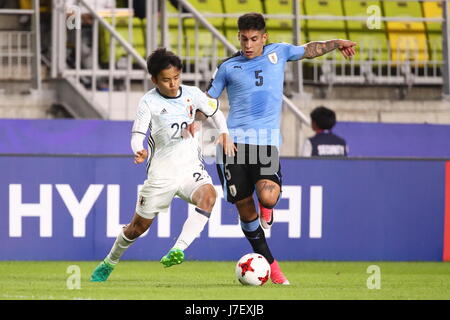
x,y
113,87
16,55
202,46
217,38
398,65
20,51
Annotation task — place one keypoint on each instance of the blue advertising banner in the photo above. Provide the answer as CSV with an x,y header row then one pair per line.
x,y
72,208
83,136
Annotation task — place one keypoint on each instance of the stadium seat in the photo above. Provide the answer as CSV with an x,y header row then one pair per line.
x,y
173,24
45,5
239,7
208,7
204,36
281,30
138,40
372,44
189,36
319,30
434,29
407,40
432,10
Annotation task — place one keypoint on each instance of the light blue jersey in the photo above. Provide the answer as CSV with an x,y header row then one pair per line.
x,y
255,92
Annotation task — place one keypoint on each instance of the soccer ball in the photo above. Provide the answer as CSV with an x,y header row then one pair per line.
x,y
253,270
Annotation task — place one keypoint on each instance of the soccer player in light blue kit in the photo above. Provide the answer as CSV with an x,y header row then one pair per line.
x,y
254,80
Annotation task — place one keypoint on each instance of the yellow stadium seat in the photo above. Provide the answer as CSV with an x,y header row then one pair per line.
x,y
432,10
27,4
407,40
434,29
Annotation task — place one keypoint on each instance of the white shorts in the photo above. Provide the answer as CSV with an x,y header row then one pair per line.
x,y
158,192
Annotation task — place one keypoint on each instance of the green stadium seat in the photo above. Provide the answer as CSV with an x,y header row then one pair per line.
x,y
172,22
208,7
324,7
138,40
205,43
435,46
372,44
204,36
282,30
320,30
243,6
407,40
240,7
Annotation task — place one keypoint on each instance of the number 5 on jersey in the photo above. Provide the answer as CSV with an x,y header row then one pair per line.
x,y
260,78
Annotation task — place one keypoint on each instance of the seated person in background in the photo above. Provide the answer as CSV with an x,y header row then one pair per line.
x,y
324,143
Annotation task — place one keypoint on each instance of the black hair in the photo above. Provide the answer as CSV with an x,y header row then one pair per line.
x,y
252,21
161,59
324,118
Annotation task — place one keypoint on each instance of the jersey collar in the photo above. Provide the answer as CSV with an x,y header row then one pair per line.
x,y
167,97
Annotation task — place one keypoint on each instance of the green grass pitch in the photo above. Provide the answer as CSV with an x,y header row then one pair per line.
x,y
198,280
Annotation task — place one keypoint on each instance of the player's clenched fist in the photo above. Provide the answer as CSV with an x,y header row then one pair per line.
x,y
140,156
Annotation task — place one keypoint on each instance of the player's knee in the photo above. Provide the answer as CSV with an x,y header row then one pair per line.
x,y
268,194
136,229
268,200
207,201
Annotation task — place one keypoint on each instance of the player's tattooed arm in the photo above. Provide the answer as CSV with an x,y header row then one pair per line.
x,y
319,48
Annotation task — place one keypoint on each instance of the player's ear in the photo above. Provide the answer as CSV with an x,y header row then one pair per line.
x,y
154,80
265,36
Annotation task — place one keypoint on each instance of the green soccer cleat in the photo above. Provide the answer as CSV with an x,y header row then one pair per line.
x,y
174,256
102,272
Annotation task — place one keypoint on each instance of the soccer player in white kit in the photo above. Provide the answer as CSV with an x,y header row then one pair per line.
x,y
174,164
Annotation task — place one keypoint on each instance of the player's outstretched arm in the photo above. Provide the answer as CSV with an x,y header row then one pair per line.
x,y
319,48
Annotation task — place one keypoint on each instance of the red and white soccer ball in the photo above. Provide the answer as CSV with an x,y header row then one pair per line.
x,y
253,270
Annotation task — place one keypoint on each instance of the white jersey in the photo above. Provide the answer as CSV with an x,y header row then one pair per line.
x,y
165,118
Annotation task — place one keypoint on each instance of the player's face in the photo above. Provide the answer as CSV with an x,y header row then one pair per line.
x,y
252,42
168,81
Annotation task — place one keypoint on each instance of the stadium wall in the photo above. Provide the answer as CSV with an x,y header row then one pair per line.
x,y
113,138
67,187
72,207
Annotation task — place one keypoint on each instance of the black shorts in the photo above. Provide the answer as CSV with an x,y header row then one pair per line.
x,y
251,163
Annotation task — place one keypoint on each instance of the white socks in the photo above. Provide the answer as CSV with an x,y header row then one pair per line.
x,y
120,245
192,227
